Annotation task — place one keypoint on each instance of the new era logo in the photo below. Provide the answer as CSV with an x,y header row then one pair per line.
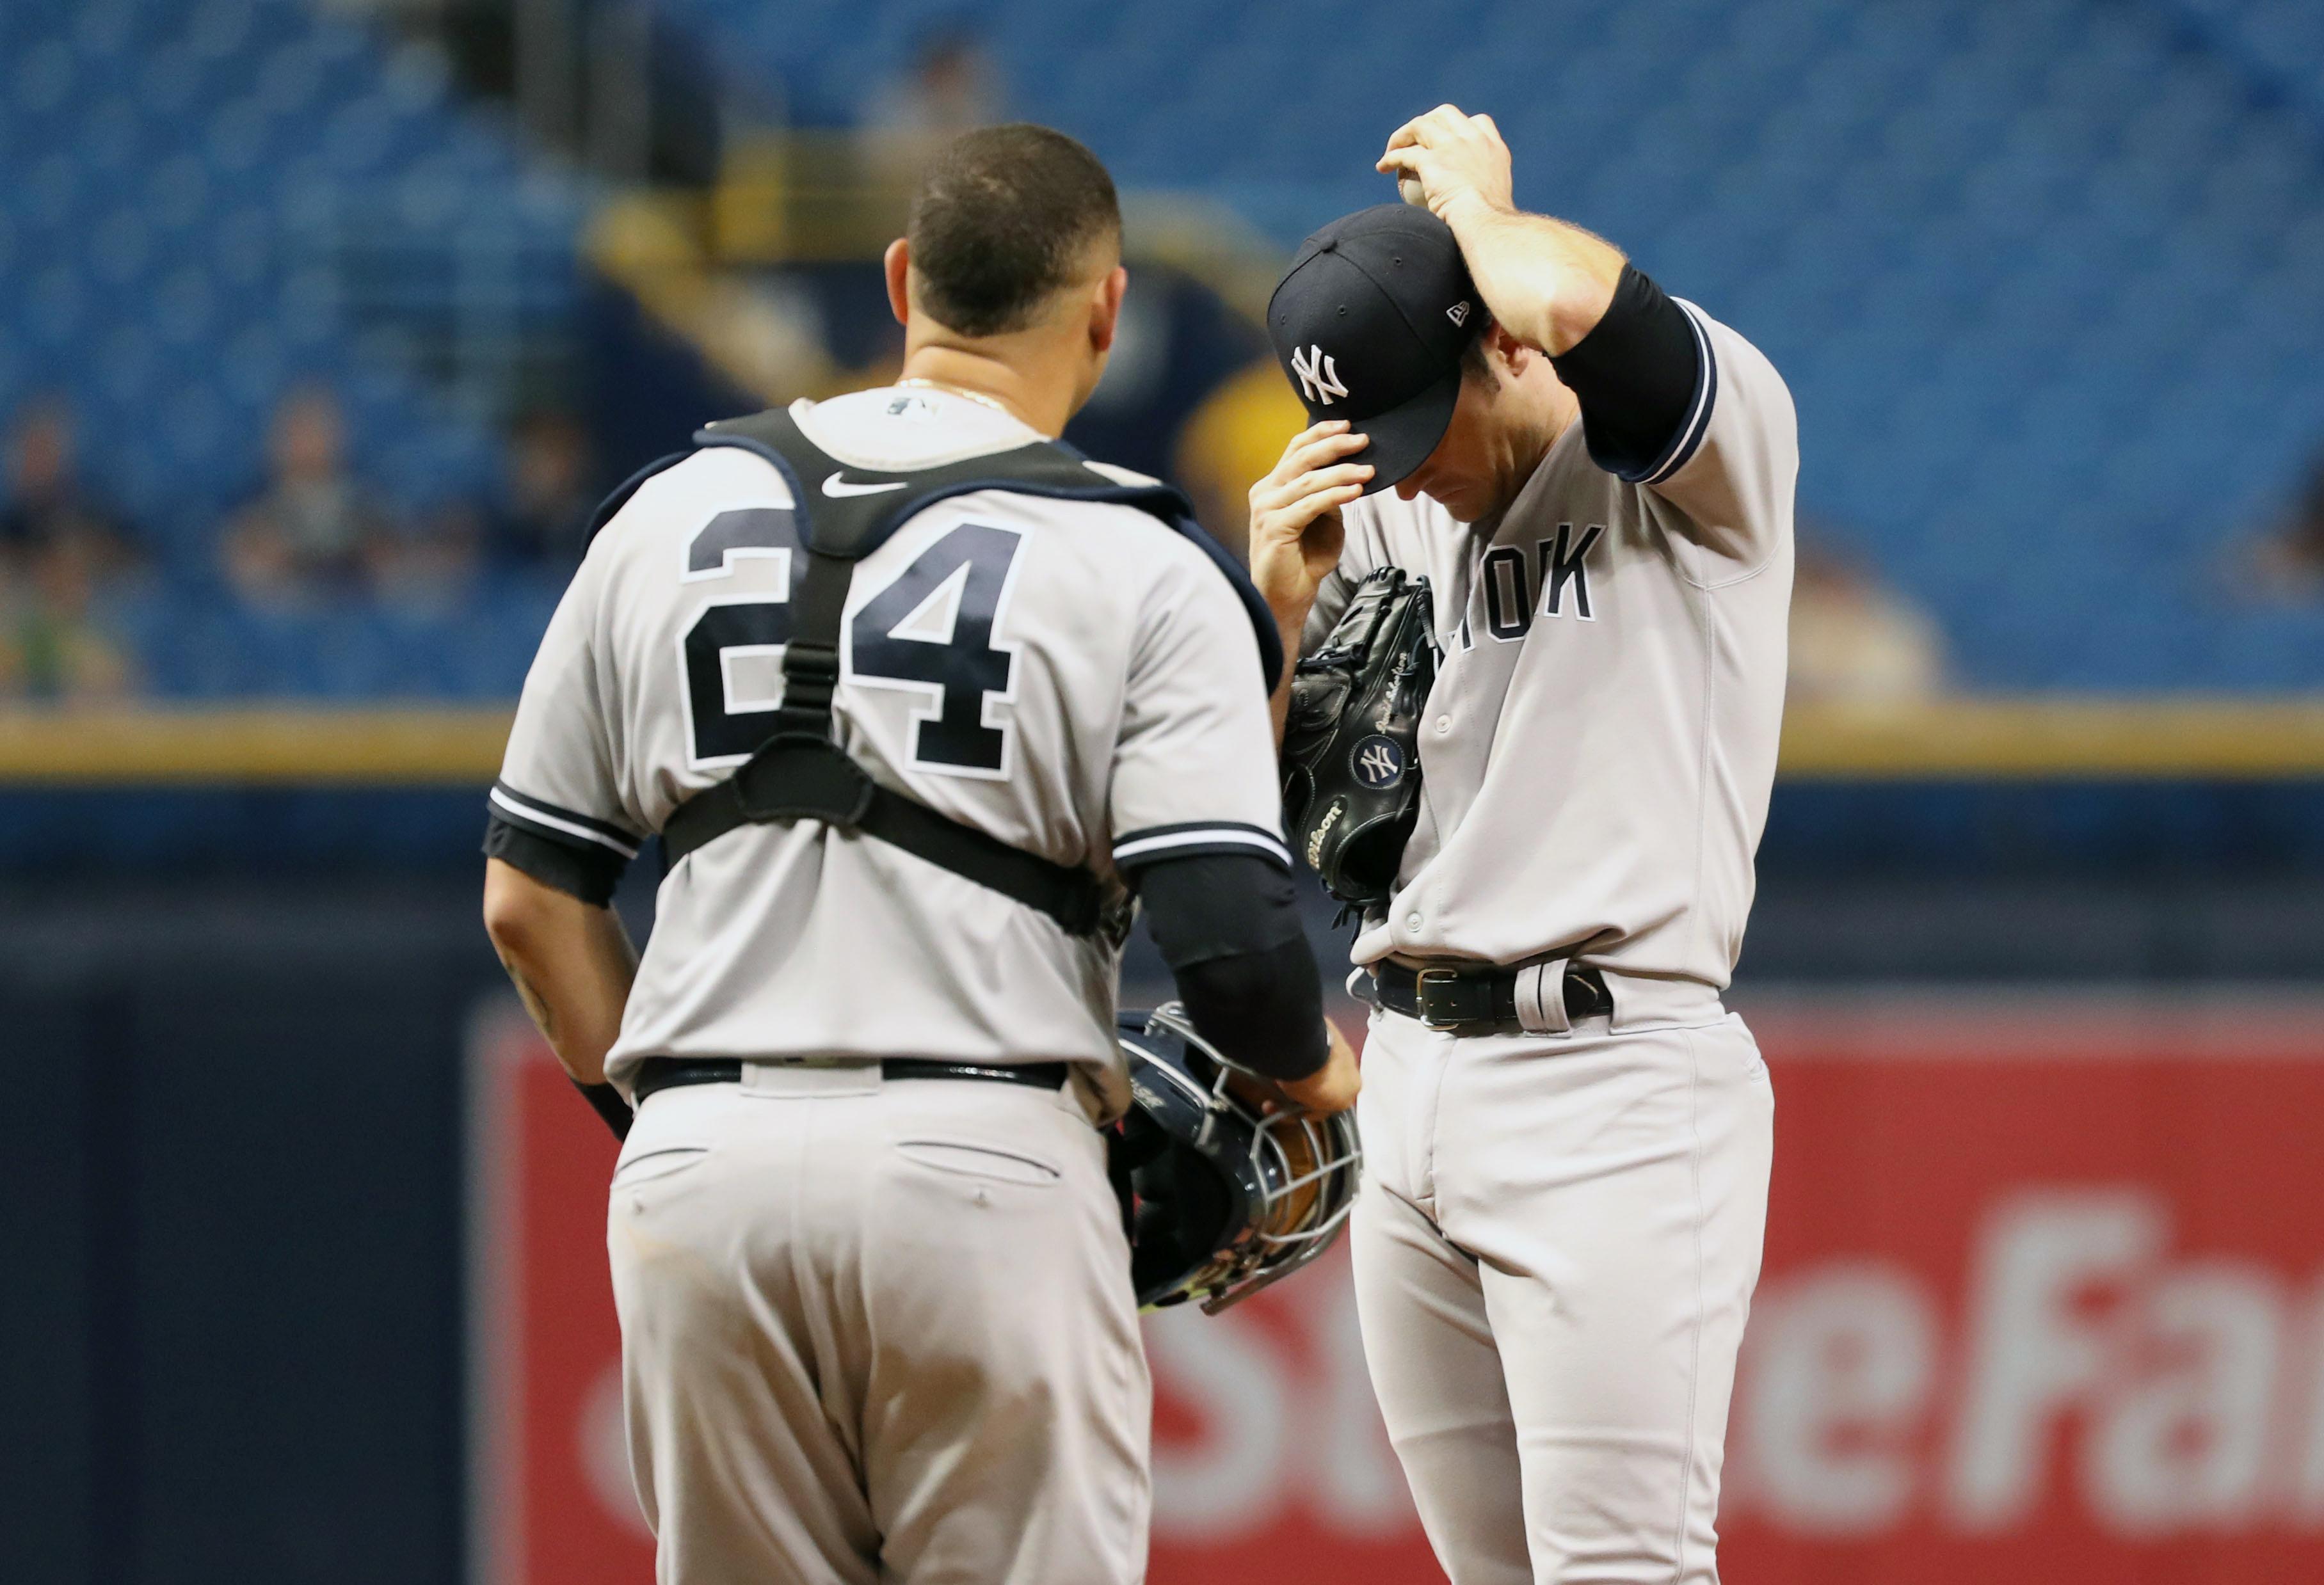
x,y
1458,313
1319,379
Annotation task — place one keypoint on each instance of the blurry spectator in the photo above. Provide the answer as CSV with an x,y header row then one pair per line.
x,y
47,507
951,88
59,553
2289,564
1230,442
52,646
552,491
312,528
1852,639
431,565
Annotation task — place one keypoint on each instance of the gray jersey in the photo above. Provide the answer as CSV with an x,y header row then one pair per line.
x,y
1072,678
1598,748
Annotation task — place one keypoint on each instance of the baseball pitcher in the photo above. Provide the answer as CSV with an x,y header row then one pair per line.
x,y
1554,795
917,699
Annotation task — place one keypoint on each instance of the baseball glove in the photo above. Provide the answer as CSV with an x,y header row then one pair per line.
x,y
1351,743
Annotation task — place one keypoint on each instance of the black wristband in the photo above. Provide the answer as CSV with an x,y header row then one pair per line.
x,y
606,1103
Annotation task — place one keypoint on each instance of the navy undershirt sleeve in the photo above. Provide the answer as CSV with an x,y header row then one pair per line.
x,y
581,869
1227,925
1637,376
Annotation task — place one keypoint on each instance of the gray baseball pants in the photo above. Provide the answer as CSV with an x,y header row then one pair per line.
x,y
878,1332
1554,1251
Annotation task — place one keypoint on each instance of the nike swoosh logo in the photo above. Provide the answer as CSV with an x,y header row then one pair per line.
x,y
837,486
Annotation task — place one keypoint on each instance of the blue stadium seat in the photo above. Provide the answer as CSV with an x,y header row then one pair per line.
x,y
2042,272
193,160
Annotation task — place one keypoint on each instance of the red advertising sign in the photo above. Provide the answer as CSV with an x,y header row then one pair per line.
x,y
2043,1303
2042,1299
551,1502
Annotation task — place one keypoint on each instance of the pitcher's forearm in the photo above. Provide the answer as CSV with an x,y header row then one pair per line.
x,y
1278,704
1546,281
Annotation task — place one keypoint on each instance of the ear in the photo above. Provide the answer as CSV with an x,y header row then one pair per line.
x,y
1507,349
897,262
1105,309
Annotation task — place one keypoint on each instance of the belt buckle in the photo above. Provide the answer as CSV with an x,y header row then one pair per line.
x,y
1444,1013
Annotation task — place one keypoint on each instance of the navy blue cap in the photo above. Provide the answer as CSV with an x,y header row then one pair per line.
x,y
1370,324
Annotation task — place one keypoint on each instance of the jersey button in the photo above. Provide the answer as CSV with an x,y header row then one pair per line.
x,y
1412,921
1444,725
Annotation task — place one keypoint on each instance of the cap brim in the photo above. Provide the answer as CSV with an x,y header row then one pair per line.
x,y
1403,437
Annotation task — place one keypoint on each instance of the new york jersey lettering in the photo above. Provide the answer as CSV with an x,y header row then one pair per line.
x,y
1504,579
1565,560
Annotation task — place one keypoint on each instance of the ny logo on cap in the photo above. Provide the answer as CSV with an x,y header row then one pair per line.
x,y
1319,380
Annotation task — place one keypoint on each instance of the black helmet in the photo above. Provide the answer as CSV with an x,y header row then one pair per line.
x,y
1223,1199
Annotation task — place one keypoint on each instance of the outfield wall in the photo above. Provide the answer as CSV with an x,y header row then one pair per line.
x,y
239,1343
240,976
2044,1304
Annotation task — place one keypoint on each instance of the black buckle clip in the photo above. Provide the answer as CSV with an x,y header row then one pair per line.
x,y
795,777
1446,998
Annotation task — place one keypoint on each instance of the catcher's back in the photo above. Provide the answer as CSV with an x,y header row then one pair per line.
x,y
1071,677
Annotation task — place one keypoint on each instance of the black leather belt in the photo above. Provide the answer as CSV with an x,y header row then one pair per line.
x,y
1479,1000
667,1072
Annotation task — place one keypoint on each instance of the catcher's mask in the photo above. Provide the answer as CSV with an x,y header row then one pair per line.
x,y
1222,1200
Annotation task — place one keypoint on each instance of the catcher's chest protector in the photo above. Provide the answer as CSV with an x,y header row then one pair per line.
x,y
1350,741
800,772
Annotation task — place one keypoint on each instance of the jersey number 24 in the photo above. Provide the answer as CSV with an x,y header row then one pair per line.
x,y
896,639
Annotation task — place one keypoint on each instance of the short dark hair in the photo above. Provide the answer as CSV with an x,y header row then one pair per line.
x,y
1474,363
1004,217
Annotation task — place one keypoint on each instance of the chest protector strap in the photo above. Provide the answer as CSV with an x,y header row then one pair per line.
x,y
800,773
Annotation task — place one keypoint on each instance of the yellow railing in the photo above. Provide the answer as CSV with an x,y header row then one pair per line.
x,y
2058,738
690,258
390,746
1959,740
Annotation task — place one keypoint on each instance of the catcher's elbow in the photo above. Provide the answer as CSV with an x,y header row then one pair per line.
x,y
516,908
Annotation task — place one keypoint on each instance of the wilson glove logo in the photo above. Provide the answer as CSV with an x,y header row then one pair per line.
x,y
1323,829
1319,377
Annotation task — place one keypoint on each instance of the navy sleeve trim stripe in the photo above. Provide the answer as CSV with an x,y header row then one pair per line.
x,y
1182,841
551,821
1698,419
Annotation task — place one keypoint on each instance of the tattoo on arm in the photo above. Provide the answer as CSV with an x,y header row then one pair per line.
x,y
534,1003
